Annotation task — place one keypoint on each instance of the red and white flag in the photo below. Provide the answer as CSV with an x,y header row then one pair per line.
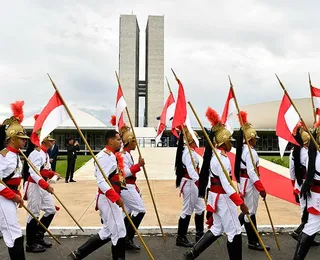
x,y
166,115
181,117
287,120
53,115
120,107
315,92
228,112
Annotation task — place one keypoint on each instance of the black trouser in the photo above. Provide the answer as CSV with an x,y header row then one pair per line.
x,y
53,165
70,169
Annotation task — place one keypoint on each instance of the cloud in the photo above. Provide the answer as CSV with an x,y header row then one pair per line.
x,y
76,41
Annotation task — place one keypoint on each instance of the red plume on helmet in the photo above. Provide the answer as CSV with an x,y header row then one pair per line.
x,y
17,109
295,129
244,116
113,120
213,117
120,162
36,117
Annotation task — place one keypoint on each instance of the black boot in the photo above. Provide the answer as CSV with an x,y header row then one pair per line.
x,y
182,239
199,219
130,245
241,218
31,235
253,241
119,250
88,247
46,221
17,251
235,248
303,246
296,233
206,240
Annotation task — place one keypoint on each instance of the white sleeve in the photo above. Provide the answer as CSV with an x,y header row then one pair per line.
x,y
250,167
127,166
291,167
190,168
3,166
106,166
35,159
223,179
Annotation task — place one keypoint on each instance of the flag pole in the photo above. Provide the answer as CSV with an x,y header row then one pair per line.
x,y
143,167
228,177
168,85
98,165
252,160
34,217
313,108
294,106
54,194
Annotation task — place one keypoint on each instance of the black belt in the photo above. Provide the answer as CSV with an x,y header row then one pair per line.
x,y
13,187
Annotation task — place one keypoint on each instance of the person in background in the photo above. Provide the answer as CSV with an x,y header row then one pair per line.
x,y
72,149
53,154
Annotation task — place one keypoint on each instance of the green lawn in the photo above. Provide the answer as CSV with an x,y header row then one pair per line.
x,y
62,163
276,159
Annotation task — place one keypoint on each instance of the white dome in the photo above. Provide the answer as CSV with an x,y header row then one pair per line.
x,y
263,116
83,119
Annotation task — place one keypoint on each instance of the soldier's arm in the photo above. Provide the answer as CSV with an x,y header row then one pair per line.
x,y
4,191
291,169
252,173
190,168
231,192
106,166
36,160
130,170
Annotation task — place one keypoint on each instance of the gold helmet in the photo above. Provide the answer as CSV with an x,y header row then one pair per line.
x,y
221,134
301,129
247,128
126,135
14,128
188,135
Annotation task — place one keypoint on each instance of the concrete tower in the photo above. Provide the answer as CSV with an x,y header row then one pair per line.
x,y
151,85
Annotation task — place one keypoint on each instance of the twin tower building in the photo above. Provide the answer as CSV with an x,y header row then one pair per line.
x,y
147,88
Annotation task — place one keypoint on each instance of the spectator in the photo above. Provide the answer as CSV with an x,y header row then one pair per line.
x,y
53,154
72,149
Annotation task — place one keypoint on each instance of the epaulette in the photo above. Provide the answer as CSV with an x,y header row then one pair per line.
x,y
224,153
38,149
107,152
4,152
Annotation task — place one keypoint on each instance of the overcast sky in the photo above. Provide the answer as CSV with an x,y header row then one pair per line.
x,y
76,42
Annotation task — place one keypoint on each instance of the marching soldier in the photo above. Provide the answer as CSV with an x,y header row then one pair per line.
x,y
297,164
38,195
131,196
310,191
109,202
250,185
187,181
10,173
222,199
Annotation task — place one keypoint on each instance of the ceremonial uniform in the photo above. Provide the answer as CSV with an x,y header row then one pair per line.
x,y
10,173
311,192
222,198
188,186
11,176
250,185
39,198
110,213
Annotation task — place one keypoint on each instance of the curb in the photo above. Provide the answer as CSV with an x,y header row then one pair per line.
x,y
154,230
